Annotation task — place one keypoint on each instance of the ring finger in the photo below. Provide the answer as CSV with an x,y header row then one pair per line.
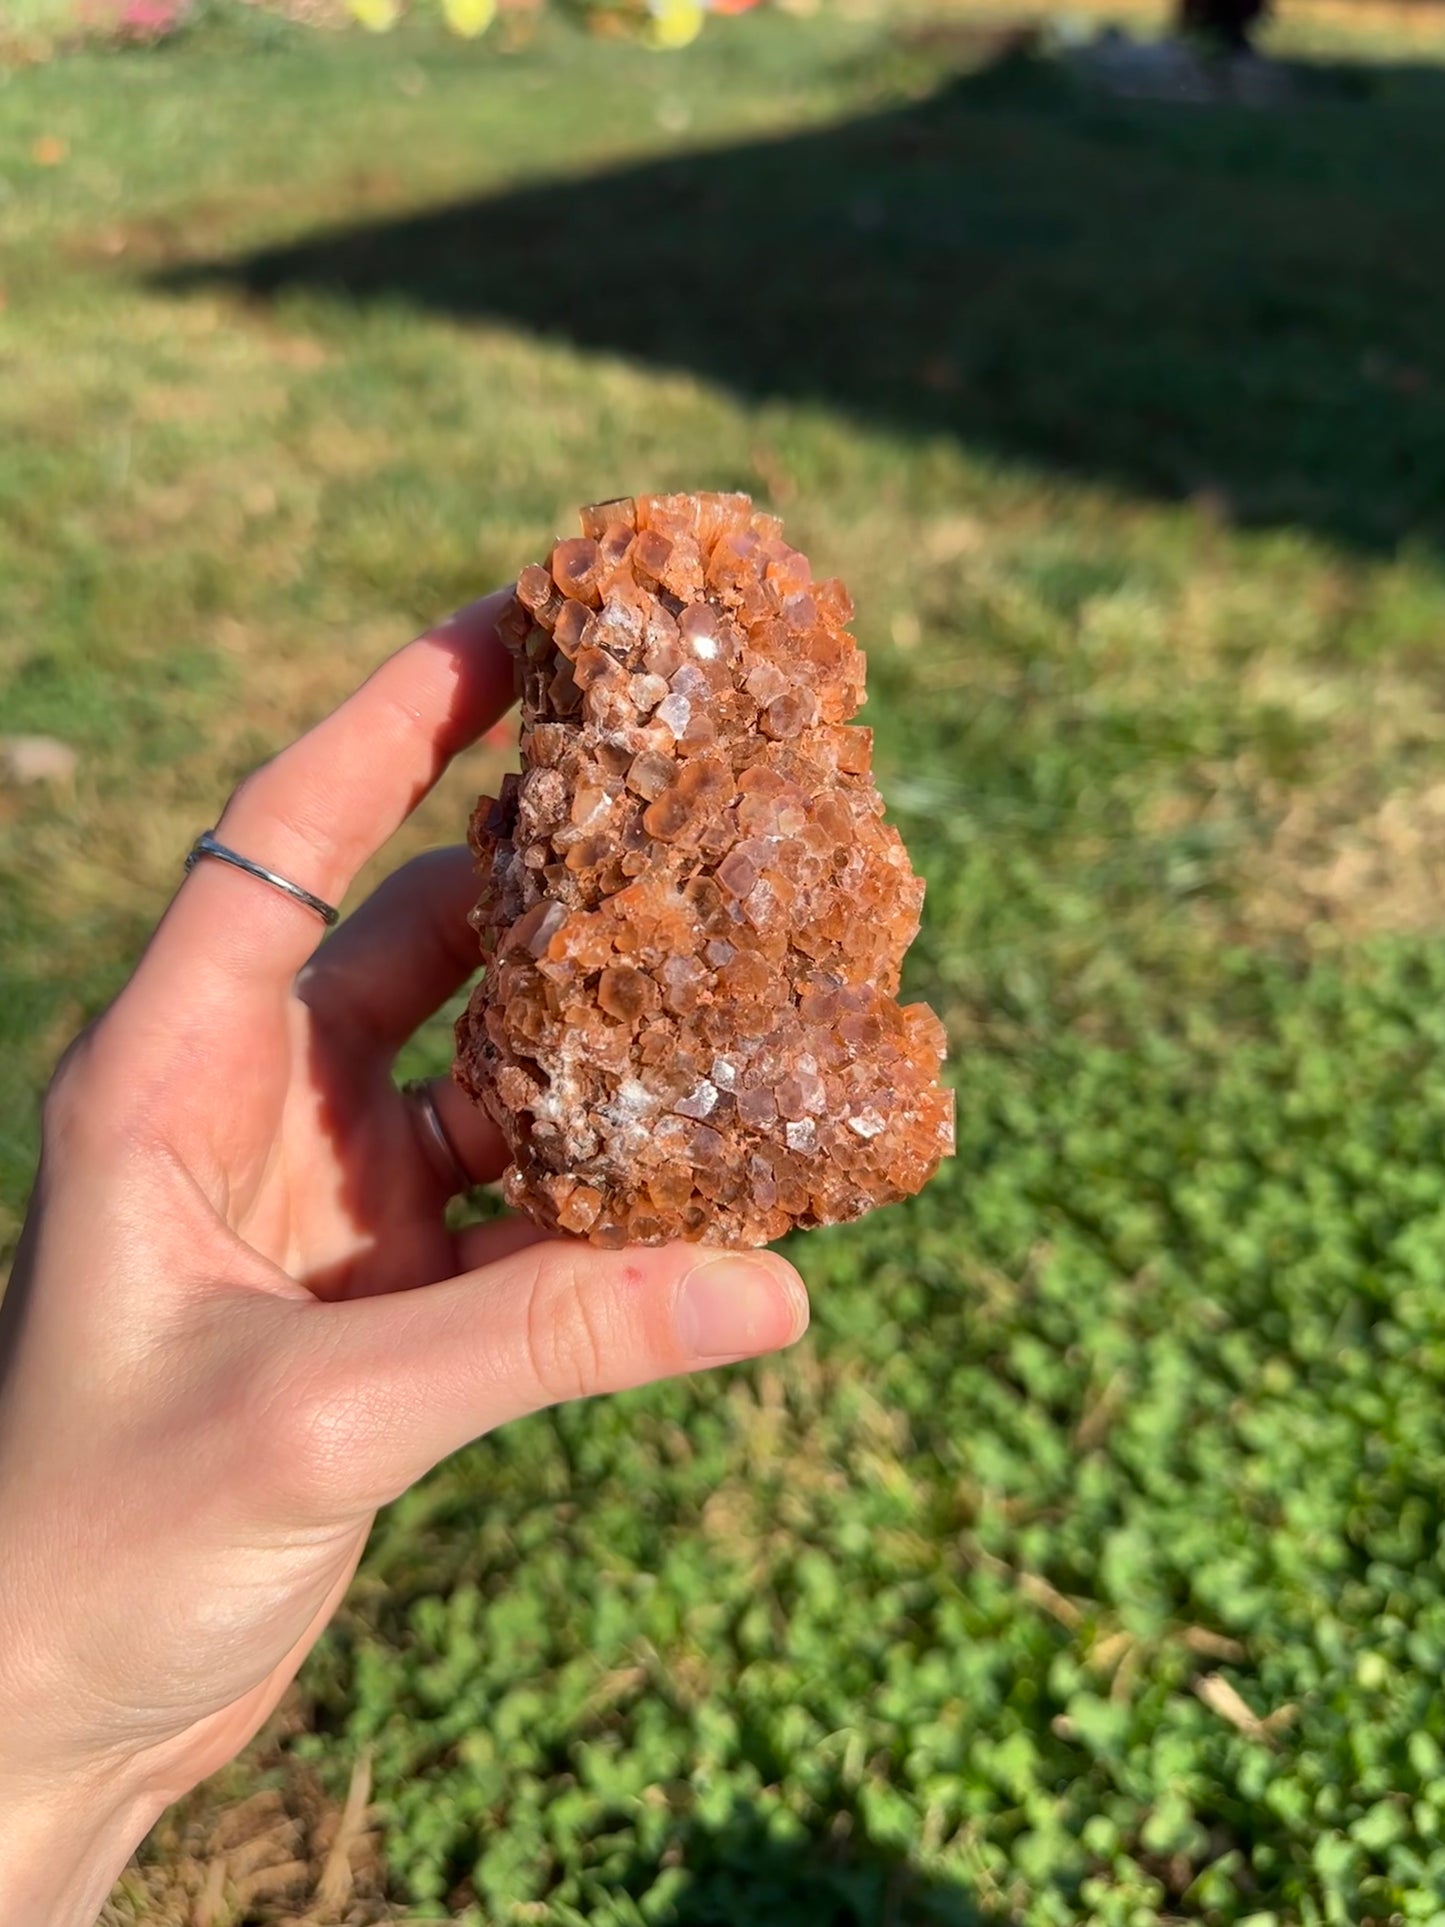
x,y
462,1146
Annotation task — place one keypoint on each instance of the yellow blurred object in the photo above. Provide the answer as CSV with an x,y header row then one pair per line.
x,y
674,23
469,17
377,16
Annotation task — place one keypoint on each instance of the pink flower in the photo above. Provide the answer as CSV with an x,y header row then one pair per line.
x,y
149,19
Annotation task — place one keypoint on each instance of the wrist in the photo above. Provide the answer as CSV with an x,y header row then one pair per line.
x,y
64,1849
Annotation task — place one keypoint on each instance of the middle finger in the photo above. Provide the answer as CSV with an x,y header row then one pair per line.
x,y
397,959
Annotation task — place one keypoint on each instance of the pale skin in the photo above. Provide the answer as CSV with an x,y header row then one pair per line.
x,y
238,1323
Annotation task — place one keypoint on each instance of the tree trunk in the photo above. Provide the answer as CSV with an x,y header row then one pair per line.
x,y
1227,23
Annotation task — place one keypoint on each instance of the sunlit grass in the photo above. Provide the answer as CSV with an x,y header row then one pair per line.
x,y
1145,1390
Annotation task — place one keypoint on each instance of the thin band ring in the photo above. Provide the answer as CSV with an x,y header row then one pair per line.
x,y
441,1152
206,845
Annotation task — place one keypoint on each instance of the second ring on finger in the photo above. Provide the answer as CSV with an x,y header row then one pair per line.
x,y
460,1142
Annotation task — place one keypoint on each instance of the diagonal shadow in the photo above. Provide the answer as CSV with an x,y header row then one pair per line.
x,y
831,1876
1241,301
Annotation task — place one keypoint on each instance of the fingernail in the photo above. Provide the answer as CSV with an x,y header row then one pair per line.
x,y
733,1307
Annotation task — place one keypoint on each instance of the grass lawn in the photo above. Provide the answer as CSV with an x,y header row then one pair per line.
x,y
1085,1564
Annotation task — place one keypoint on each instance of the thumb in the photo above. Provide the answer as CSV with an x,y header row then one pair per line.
x,y
411,1377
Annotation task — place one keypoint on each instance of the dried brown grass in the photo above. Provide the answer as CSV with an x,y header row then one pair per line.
x,y
285,1855
1356,847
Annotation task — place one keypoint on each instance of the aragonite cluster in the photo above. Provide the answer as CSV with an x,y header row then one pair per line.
x,y
693,913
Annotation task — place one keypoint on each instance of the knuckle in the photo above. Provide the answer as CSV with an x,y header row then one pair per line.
x,y
70,1100
99,1100
283,812
62,1098
565,1338
309,1435
270,797
247,791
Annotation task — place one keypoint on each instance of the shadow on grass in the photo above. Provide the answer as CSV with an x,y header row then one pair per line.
x,y
1234,300
739,1875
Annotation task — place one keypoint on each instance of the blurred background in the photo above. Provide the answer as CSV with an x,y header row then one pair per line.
x,y
1085,1563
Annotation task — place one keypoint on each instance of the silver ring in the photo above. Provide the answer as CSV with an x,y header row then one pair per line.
x,y
448,1165
206,845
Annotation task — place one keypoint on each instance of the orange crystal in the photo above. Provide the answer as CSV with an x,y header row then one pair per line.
x,y
693,914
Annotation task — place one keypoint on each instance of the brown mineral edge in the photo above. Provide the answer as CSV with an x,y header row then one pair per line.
x,y
693,914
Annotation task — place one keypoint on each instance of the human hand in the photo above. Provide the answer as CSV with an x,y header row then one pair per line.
x,y
238,1323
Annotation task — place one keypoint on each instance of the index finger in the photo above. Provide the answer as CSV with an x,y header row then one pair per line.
x,y
317,811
